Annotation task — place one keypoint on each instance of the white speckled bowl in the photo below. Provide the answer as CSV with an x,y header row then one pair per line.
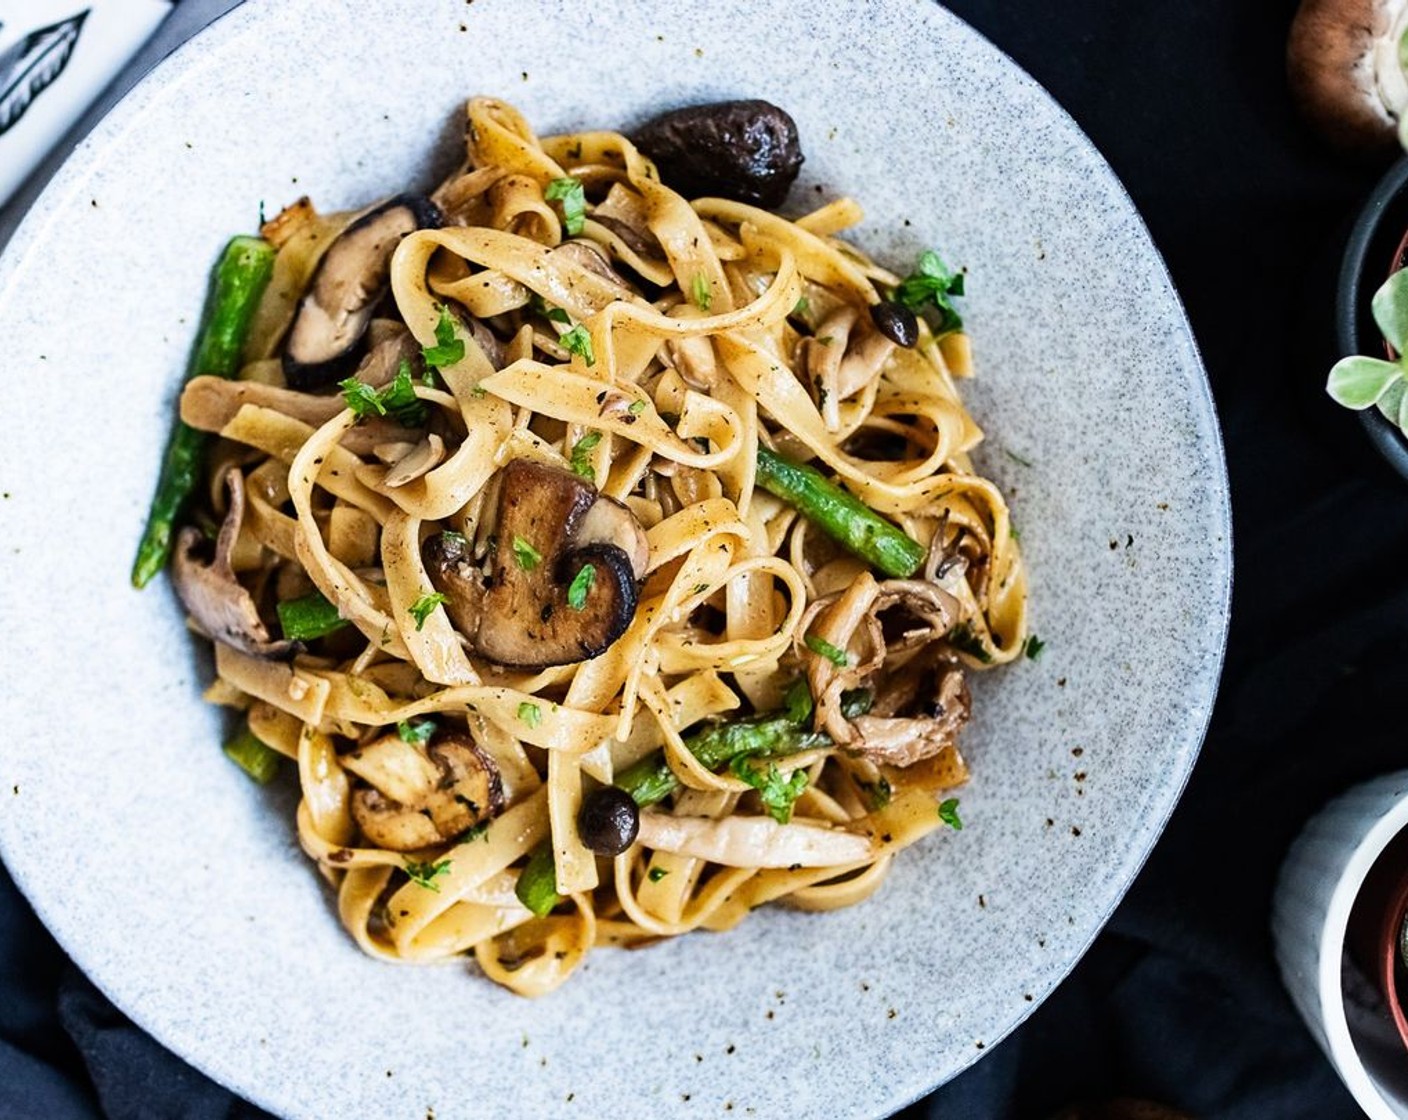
x,y
177,885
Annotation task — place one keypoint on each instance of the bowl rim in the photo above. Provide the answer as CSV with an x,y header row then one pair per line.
x,y
38,217
1386,438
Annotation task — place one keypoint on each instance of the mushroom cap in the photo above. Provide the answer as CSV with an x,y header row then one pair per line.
x,y
551,526
1342,66
349,281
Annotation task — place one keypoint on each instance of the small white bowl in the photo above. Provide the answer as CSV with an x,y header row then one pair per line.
x,y
1315,892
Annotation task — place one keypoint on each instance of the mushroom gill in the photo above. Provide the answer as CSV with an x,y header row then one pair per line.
x,y
213,595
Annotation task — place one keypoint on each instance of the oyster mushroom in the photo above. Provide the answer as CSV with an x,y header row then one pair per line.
x,y
212,594
538,605
417,796
348,284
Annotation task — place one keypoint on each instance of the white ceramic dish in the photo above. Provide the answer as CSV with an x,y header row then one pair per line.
x,y
1315,892
177,885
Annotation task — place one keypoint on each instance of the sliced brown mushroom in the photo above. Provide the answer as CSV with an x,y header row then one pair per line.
x,y
552,527
349,282
418,796
213,595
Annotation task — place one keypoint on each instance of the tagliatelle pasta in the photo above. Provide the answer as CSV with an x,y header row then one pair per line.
x,y
628,555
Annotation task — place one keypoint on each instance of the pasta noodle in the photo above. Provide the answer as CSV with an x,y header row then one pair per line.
x,y
644,356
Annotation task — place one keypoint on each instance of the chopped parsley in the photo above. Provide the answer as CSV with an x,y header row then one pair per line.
x,y
802,306
397,399
579,341
948,813
778,794
425,874
309,616
448,348
655,874
931,287
797,701
455,538
1033,647
548,311
474,832
581,466
581,587
527,556
637,407
878,793
1018,459
421,608
703,294
415,730
573,197
530,714
821,646
963,639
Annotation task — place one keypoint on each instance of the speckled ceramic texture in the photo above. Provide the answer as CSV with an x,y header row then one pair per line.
x,y
177,884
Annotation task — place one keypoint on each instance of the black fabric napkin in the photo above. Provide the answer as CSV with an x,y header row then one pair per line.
x,y
1179,1000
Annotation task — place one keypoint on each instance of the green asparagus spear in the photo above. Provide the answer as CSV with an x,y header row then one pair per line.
x,y
241,275
768,735
537,882
854,525
258,761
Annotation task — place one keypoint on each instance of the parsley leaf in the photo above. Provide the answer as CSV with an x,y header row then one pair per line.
x,y
415,730
573,197
581,587
397,399
801,307
448,348
530,714
703,294
963,639
878,793
930,287
579,341
1033,647
309,616
656,874
474,832
527,556
636,408
778,794
948,813
821,646
551,313
580,450
425,874
421,608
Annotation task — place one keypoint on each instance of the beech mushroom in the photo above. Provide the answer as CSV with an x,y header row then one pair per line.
x,y
418,796
348,284
562,580
213,595
1343,65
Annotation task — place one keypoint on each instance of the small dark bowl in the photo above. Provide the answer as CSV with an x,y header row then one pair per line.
x,y
1369,257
